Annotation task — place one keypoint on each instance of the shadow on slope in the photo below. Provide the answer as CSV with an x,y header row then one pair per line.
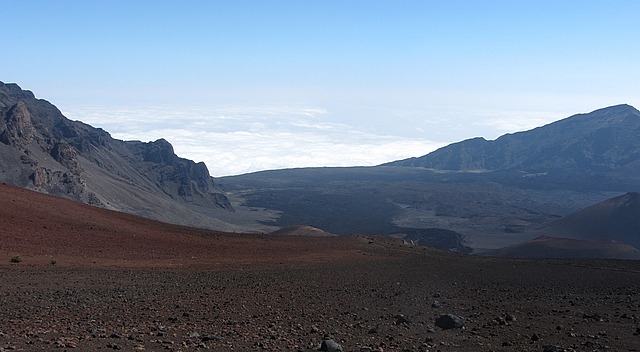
x,y
615,219
555,247
609,229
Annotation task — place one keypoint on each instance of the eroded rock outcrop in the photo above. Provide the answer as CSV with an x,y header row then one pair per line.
x,y
67,156
18,130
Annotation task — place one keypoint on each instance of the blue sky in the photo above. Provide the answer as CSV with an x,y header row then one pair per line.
x,y
252,85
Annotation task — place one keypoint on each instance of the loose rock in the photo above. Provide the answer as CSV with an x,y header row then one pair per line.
x,y
330,346
449,321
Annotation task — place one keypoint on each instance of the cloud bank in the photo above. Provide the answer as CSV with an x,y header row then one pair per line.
x,y
237,140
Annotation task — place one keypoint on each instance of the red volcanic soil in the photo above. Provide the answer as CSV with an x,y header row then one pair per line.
x,y
125,283
40,228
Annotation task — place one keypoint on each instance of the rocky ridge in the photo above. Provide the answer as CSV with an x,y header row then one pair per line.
x,y
40,149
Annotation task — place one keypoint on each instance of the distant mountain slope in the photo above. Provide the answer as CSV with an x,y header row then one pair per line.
x,y
42,150
608,229
554,247
598,142
615,219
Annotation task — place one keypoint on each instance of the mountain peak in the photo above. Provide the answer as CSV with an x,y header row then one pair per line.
x,y
611,114
618,108
12,89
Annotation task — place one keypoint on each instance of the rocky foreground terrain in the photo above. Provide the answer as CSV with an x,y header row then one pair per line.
x,y
83,278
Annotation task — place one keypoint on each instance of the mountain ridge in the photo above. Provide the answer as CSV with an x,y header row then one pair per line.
x,y
579,143
42,150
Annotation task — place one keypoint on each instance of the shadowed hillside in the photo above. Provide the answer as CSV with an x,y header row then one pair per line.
x,y
609,229
615,219
554,247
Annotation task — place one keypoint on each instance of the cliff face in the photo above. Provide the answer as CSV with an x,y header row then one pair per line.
x,y
42,150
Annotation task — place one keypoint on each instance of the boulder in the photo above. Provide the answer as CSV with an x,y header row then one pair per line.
x,y
449,321
330,346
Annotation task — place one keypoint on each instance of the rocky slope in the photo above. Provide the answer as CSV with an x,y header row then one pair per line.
x,y
40,149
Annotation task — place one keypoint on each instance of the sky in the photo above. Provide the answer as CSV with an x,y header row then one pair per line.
x,y
255,85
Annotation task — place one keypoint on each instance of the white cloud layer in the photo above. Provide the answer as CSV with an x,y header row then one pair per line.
x,y
239,140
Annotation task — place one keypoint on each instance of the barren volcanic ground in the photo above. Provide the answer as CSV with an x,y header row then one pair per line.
x,y
125,283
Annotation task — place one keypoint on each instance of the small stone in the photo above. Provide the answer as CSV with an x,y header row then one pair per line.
x,y
401,319
134,337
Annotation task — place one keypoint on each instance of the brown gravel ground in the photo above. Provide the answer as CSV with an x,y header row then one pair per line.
x,y
124,283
